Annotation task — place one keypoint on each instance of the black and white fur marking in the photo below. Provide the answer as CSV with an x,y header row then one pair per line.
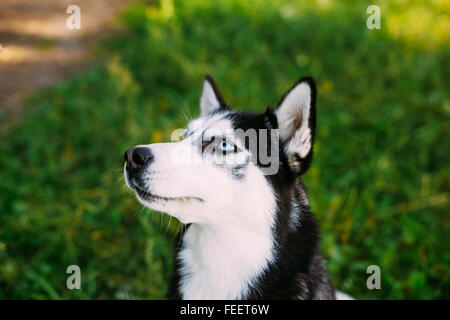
x,y
248,235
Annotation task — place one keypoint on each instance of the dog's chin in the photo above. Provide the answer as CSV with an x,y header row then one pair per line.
x,y
149,197
175,207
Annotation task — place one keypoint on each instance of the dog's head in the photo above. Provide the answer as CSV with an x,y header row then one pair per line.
x,y
229,166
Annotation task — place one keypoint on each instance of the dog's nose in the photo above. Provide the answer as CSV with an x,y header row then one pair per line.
x,y
137,158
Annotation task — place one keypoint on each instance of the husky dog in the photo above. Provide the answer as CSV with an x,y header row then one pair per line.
x,y
250,232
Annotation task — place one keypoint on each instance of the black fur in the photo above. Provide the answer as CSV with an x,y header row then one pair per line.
x,y
299,270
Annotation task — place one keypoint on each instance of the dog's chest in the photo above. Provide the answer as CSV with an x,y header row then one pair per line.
x,y
216,266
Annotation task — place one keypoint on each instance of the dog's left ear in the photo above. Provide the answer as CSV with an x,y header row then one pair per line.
x,y
211,99
296,115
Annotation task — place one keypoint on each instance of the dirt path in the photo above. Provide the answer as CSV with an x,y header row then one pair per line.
x,y
37,49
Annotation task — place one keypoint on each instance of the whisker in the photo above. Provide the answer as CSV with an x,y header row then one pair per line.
x,y
185,114
183,229
185,109
168,225
176,232
139,213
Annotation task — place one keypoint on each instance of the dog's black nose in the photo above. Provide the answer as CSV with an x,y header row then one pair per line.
x,y
137,158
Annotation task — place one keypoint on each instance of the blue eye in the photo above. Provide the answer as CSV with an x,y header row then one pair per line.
x,y
226,146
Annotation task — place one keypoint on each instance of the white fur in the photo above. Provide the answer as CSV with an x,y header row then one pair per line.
x,y
230,241
221,260
208,100
342,296
295,108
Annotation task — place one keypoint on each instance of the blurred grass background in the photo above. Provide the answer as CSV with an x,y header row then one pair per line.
x,y
379,184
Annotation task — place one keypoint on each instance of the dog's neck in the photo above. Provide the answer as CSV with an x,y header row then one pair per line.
x,y
222,257
223,262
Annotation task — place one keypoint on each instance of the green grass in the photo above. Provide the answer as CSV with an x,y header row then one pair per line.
x,y
379,183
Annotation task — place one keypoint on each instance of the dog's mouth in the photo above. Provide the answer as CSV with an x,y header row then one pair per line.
x,y
148,196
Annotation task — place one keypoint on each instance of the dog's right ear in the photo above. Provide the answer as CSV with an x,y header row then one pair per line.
x,y
211,99
296,115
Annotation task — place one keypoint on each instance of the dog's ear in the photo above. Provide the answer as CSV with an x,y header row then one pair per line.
x,y
296,115
211,99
